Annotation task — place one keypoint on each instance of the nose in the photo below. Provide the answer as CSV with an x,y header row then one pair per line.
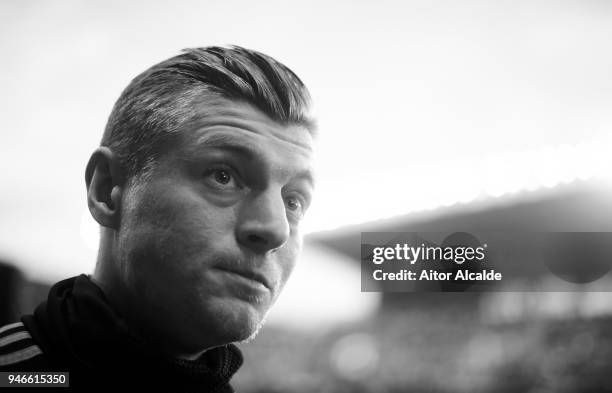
x,y
263,224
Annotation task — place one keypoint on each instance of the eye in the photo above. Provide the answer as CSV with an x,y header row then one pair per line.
x,y
296,206
293,203
221,178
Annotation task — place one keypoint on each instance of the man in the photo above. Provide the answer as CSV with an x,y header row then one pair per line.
x,y
200,183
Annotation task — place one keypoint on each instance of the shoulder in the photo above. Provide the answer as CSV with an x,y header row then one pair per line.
x,y
18,351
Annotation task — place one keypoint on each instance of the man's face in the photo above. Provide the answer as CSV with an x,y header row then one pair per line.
x,y
208,241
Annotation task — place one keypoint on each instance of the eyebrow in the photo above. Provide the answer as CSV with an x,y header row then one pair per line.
x,y
307,175
218,140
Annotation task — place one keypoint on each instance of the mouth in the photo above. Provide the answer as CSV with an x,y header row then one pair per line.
x,y
249,275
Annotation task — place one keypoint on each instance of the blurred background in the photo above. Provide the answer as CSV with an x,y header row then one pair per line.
x,y
434,116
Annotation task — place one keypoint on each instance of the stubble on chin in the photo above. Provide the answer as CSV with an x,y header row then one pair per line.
x,y
256,331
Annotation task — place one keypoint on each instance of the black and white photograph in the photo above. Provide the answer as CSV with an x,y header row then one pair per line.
x,y
290,196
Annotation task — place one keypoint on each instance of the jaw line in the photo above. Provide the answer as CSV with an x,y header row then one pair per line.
x,y
257,329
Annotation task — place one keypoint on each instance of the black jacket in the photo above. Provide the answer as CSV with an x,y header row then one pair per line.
x,y
77,331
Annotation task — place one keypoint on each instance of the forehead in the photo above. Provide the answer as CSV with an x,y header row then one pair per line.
x,y
238,120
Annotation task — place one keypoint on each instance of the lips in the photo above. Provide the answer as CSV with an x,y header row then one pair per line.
x,y
249,274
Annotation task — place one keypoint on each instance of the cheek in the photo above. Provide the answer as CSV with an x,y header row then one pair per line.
x,y
286,259
171,230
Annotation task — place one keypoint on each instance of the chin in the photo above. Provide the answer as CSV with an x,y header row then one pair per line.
x,y
235,321
253,333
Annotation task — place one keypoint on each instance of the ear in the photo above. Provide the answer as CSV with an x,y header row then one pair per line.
x,y
104,179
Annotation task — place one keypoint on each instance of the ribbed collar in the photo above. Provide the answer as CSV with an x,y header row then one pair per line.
x,y
84,335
